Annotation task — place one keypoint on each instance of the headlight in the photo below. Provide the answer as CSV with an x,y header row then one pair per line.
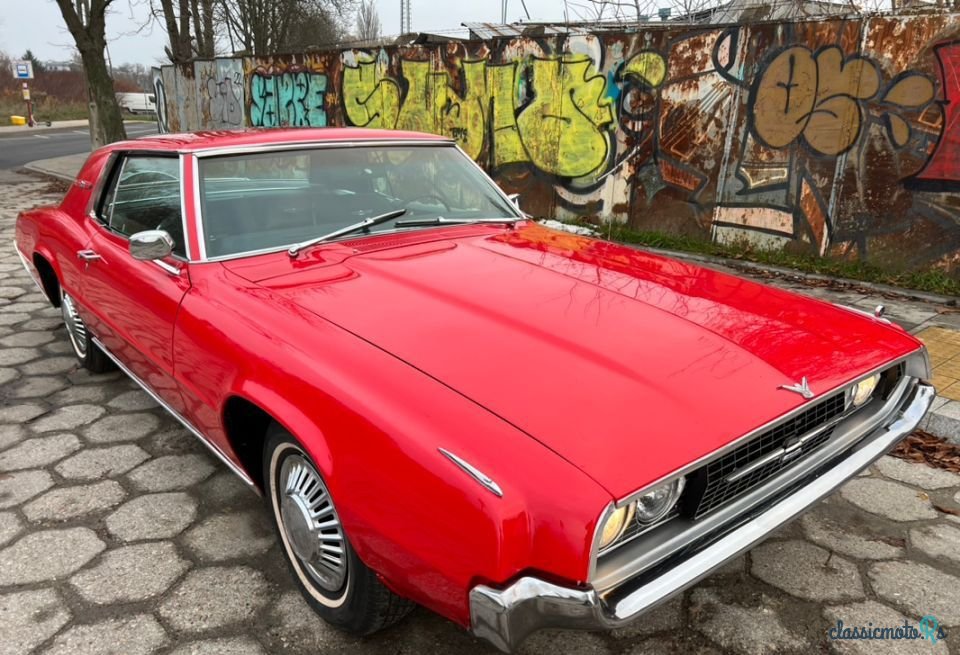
x,y
863,390
654,505
615,525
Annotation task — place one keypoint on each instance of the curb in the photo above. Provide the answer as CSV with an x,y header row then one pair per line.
x,y
30,166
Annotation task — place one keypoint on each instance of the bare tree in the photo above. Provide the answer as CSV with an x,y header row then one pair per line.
x,y
256,27
368,21
176,20
203,33
86,20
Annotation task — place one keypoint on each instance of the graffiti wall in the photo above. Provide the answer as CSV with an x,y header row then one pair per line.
x,y
838,136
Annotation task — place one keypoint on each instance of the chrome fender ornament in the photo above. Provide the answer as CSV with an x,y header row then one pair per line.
x,y
803,388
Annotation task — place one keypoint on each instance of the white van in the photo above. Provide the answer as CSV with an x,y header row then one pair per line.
x,y
138,103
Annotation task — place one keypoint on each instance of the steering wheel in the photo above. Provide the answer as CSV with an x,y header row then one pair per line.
x,y
430,196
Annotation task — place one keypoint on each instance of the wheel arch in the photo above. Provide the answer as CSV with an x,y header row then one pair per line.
x,y
49,280
245,423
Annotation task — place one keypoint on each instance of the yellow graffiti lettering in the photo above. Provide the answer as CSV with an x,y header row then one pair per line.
x,y
647,66
370,99
563,126
502,84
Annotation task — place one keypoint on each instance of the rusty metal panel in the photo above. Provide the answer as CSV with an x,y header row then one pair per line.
x,y
831,136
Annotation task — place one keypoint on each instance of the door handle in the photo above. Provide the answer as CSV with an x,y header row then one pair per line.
x,y
88,255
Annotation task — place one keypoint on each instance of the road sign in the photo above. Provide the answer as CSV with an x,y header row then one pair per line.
x,y
23,70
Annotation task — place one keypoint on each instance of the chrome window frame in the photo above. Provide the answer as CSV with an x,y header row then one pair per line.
x,y
101,188
317,145
909,361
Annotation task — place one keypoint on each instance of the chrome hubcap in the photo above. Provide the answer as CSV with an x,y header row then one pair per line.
x,y
311,524
76,330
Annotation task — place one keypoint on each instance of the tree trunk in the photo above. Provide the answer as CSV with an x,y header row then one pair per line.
x,y
106,120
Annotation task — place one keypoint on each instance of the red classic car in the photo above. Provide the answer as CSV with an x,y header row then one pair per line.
x,y
444,402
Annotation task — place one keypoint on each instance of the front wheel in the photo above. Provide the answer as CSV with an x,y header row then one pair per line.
x,y
339,587
90,357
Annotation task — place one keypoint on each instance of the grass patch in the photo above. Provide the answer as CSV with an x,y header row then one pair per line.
x,y
46,109
930,280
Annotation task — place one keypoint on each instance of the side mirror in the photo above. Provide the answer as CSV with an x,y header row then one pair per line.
x,y
151,244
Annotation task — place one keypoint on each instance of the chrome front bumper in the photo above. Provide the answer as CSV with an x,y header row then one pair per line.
x,y
505,617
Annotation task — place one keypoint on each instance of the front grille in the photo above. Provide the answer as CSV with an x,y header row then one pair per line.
x,y
708,488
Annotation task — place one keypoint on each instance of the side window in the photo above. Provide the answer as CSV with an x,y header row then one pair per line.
x,y
145,195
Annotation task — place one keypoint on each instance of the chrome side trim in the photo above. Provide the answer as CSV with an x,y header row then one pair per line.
x,y
505,617
183,208
169,268
189,426
30,271
475,473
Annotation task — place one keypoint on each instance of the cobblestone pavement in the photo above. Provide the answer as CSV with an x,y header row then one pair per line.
x,y
119,534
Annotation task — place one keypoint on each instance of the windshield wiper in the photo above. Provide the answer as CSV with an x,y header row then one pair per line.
x,y
440,220
363,225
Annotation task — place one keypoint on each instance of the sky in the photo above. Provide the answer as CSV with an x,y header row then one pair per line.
x,y
38,25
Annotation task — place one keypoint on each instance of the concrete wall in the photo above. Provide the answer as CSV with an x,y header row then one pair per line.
x,y
839,136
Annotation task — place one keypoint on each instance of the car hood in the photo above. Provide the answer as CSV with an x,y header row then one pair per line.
x,y
627,364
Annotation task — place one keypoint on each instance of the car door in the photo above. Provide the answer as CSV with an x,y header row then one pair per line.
x,y
132,304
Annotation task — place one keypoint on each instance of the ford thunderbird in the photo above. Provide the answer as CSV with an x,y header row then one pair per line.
x,y
446,403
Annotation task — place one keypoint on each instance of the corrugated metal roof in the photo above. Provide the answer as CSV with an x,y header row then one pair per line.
x,y
498,31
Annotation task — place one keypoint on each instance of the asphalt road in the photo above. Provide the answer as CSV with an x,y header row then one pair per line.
x,y
15,151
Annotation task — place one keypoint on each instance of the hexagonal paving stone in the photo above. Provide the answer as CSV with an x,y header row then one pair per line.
x,y
937,541
917,474
14,356
50,366
153,516
27,339
225,646
135,399
132,635
39,451
11,292
131,573
172,472
67,418
745,630
225,489
230,536
888,499
38,386
11,434
95,463
868,614
918,589
215,597
852,541
83,376
48,555
807,571
20,413
84,393
28,618
17,488
10,527
64,503
8,374
662,618
122,427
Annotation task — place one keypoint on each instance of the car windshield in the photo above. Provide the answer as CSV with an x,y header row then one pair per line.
x,y
270,200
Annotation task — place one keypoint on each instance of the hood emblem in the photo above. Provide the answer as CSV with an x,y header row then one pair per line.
x,y
803,388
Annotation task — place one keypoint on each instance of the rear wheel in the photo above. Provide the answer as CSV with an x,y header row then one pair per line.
x,y
90,357
339,587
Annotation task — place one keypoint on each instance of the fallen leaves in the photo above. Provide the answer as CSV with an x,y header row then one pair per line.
x,y
923,447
